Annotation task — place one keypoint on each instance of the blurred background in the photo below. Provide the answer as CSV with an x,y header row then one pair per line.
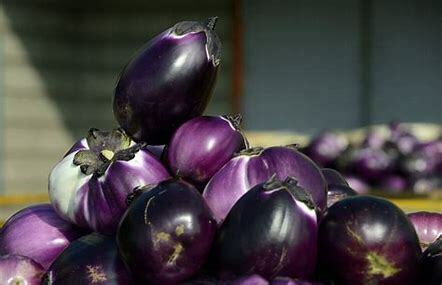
x,y
299,66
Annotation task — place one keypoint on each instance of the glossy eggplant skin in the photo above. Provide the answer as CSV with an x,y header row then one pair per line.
x,y
431,264
92,259
166,234
368,240
337,193
19,270
333,177
168,82
268,232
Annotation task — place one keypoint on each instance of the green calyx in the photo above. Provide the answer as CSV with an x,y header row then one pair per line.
x,y
105,147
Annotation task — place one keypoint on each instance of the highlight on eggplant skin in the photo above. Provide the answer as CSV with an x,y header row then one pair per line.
x,y
89,186
428,226
270,231
368,240
169,81
255,165
166,234
20,270
37,232
201,146
91,259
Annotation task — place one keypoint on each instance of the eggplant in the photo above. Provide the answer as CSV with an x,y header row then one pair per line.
x,y
372,164
37,232
393,183
357,183
249,280
325,148
270,231
168,82
289,281
19,270
91,259
428,226
368,240
336,193
256,165
166,234
373,139
431,264
333,177
89,186
201,146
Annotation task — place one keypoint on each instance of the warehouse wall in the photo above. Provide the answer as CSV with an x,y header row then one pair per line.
x,y
311,65
61,63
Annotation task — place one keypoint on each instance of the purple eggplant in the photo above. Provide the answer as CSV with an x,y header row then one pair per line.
x,y
372,164
89,186
256,165
270,231
373,139
333,177
424,185
248,280
156,150
428,226
19,270
326,148
201,146
166,234
368,240
289,281
402,138
357,183
394,184
336,193
37,232
431,264
92,259
168,82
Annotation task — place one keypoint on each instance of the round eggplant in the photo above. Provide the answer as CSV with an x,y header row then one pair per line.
x,y
368,240
19,270
271,230
428,226
166,234
168,82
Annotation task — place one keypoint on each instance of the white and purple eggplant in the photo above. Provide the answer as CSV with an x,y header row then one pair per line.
x,y
428,226
89,186
37,232
20,270
168,82
270,231
256,165
201,146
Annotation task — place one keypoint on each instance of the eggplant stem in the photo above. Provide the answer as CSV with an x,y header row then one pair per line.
x,y
251,151
211,22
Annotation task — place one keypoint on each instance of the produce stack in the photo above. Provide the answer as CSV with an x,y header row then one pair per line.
x,y
394,162
174,197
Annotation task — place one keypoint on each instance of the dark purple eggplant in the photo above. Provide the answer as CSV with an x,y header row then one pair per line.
x,y
19,270
372,164
270,231
428,226
289,281
249,280
325,148
156,150
368,240
37,232
92,259
168,82
336,193
201,146
166,234
333,177
256,165
431,264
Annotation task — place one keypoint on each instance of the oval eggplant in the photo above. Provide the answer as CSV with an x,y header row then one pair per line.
x,y
166,234
37,232
333,177
201,146
287,246
428,226
89,186
256,165
368,240
168,82
431,264
336,193
91,259
19,270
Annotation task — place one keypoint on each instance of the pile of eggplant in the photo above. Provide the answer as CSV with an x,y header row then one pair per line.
x,y
394,162
174,197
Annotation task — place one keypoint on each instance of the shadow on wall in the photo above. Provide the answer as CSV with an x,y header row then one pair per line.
x,y
78,49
